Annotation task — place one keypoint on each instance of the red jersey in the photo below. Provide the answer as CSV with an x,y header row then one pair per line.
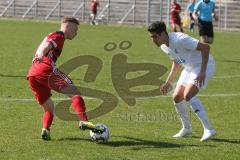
x,y
173,7
46,66
94,5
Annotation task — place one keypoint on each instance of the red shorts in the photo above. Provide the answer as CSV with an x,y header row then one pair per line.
x,y
42,86
176,20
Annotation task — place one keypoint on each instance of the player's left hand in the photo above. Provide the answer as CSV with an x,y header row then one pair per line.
x,y
199,81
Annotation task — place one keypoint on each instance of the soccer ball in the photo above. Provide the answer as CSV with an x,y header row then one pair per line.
x,y
98,137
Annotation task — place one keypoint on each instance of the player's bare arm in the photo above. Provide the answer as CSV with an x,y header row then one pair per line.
x,y
168,84
176,10
204,48
214,15
42,50
195,15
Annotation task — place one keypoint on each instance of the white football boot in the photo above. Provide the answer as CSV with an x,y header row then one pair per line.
x,y
183,132
208,134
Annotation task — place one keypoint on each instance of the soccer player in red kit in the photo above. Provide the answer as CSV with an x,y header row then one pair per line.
x,y
43,76
175,17
94,7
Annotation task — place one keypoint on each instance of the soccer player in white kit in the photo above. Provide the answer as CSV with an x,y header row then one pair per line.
x,y
198,67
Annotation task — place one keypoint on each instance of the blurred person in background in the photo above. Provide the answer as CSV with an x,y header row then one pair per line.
x,y
204,11
190,9
94,7
175,18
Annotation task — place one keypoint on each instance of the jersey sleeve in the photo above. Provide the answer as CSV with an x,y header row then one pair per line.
x,y
197,7
188,7
55,40
187,42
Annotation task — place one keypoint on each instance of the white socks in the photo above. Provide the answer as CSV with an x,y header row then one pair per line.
x,y
183,113
198,108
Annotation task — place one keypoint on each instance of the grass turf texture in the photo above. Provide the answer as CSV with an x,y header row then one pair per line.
x,y
140,132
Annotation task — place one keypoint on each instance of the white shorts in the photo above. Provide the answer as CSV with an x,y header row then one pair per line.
x,y
188,76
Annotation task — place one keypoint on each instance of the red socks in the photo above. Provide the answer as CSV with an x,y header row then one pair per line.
x,y
47,120
79,107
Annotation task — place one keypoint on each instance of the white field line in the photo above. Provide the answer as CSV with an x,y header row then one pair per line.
x,y
200,95
156,97
226,77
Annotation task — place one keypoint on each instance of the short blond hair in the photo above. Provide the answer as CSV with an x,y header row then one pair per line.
x,y
70,19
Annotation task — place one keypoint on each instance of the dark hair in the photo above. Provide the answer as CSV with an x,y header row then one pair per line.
x,y
157,27
70,19
206,1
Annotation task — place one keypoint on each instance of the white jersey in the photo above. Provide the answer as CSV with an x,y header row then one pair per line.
x,y
184,50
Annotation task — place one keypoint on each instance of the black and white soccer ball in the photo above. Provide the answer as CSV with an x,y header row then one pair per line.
x,y
100,137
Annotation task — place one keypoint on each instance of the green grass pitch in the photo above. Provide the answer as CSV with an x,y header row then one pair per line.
x,y
141,132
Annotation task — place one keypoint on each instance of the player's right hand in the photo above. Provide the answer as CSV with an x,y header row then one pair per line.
x,y
195,16
165,88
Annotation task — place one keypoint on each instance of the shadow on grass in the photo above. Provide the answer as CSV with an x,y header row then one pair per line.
x,y
73,139
12,76
234,141
130,141
135,143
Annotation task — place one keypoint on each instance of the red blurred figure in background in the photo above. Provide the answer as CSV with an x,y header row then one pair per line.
x,y
94,8
175,16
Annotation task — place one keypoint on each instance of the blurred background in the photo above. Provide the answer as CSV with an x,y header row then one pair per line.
x,y
140,12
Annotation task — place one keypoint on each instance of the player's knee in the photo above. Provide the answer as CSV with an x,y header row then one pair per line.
x,y
48,106
210,41
177,98
188,97
75,90
207,40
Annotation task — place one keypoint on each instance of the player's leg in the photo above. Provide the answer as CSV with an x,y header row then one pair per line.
x,y
93,17
192,25
210,33
63,84
209,40
206,32
206,39
174,27
77,101
179,23
79,106
202,31
39,86
181,28
48,115
192,22
180,106
197,106
190,95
